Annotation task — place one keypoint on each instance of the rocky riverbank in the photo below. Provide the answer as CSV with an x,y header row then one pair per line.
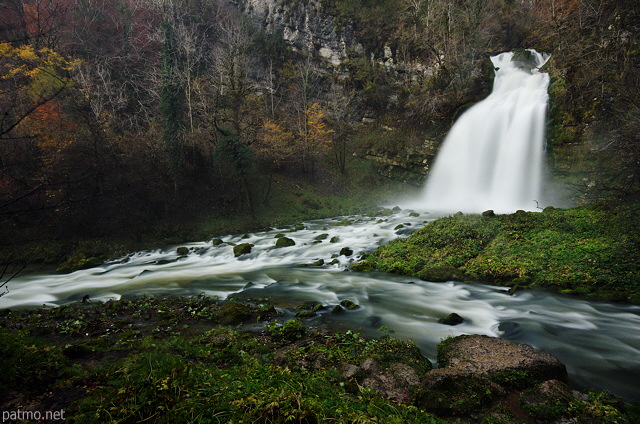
x,y
201,360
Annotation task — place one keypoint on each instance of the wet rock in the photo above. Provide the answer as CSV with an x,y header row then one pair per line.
x,y
348,304
305,314
346,251
337,309
451,319
321,237
334,239
285,242
242,249
319,262
405,231
216,242
182,251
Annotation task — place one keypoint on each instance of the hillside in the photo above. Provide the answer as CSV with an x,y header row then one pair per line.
x,y
117,114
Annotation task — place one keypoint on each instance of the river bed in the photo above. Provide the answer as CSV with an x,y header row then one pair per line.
x,y
599,342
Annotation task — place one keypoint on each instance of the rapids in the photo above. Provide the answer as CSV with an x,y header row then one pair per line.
x,y
599,342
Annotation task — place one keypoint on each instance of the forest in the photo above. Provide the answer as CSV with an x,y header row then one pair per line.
x,y
120,113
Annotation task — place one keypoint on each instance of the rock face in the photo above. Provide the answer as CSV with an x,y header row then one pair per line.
x,y
304,27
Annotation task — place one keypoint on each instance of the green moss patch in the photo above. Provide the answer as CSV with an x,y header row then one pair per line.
x,y
592,251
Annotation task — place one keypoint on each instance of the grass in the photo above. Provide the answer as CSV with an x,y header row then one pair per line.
x,y
168,360
592,251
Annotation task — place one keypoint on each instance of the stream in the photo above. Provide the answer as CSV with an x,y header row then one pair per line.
x,y
598,342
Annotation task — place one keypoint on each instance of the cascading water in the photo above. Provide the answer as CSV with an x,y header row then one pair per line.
x,y
493,156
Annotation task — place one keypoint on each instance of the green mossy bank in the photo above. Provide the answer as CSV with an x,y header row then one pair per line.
x,y
199,360
592,251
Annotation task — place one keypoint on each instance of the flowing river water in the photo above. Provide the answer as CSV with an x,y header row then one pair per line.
x,y
599,342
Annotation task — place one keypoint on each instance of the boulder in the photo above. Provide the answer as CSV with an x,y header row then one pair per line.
x,y
349,304
242,248
451,319
346,251
475,371
503,361
285,242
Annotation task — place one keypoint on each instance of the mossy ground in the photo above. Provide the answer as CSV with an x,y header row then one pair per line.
x,y
172,360
592,251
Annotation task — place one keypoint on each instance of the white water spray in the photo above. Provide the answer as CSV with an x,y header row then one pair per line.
x,y
493,156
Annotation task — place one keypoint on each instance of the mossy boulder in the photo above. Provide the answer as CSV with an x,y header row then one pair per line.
x,y
182,251
455,392
79,261
349,304
321,237
216,242
285,242
505,362
242,249
232,313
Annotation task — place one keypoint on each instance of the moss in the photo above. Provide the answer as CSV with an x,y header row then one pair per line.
x,y
242,249
28,364
285,242
590,251
516,379
443,351
182,251
291,330
235,313
348,304
455,396
80,261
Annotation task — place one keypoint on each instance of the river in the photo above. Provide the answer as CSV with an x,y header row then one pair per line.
x,y
599,342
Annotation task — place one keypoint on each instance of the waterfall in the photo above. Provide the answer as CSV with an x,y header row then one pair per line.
x,y
492,157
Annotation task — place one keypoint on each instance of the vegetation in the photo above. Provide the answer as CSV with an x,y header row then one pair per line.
x,y
589,251
118,116
171,360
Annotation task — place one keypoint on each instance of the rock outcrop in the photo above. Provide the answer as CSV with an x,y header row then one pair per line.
x,y
478,371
